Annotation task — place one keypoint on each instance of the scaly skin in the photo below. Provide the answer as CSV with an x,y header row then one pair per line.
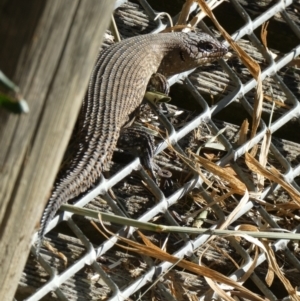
x,y
117,86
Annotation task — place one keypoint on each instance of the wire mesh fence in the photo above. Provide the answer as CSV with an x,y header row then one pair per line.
x,y
84,265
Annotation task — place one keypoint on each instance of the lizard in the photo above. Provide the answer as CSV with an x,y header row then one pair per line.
x,y
116,88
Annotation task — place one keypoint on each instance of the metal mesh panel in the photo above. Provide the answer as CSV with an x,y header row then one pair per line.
x,y
94,270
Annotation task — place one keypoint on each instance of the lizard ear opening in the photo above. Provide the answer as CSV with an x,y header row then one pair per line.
x,y
182,56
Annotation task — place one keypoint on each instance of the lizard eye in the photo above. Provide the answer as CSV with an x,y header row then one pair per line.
x,y
207,46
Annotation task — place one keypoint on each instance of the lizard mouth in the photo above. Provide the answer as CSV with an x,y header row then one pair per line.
x,y
211,56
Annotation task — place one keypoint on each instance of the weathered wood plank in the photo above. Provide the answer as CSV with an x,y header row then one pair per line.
x,y
34,72
52,64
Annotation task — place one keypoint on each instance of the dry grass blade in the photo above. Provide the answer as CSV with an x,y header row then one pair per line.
x,y
249,238
250,269
175,287
252,66
200,270
232,215
212,4
263,156
254,165
263,35
56,252
176,28
192,165
238,186
243,132
273,264
149,249
246,227
216,288
164,14
247,274
278,102
257,243
185,12
178,229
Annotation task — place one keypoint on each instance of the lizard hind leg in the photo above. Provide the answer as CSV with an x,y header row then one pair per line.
x,y
138,140
141,144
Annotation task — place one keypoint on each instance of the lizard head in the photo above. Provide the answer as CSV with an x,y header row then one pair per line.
x,y
193,50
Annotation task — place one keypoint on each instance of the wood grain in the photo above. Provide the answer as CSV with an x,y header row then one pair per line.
x,y
53,48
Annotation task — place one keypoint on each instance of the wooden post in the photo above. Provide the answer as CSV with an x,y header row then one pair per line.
x,y
48,48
